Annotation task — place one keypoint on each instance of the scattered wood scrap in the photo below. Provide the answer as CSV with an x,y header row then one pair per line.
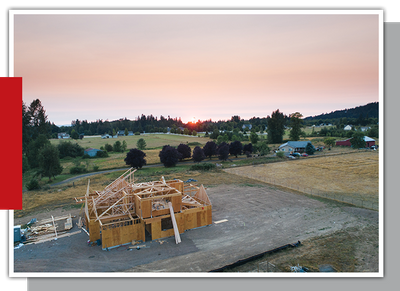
x,y
49,229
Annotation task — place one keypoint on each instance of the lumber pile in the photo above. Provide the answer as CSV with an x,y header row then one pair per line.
x,y
49,229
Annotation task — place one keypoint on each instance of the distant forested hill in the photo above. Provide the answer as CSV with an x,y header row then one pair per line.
x,y
371,110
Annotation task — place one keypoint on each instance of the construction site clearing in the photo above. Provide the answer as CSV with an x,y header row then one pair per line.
x,y
124,211
133,231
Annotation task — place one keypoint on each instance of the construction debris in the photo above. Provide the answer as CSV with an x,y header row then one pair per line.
x,y
124,211
298,269
48,229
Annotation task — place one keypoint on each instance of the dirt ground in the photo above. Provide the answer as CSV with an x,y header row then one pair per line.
x,y
259,218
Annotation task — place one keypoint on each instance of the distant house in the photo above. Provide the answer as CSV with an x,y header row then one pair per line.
x,y
347,127
63,135
294,146
122,133
106,136
91,152
365,128
247,126
369,142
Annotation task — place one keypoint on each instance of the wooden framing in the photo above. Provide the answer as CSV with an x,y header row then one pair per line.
x,y
124,210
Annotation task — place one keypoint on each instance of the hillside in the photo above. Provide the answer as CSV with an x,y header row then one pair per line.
x,y
371,110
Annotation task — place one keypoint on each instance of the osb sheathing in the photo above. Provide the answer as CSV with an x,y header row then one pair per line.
x,y
131,210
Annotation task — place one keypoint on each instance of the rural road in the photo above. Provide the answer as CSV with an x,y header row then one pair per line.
x,y
120,169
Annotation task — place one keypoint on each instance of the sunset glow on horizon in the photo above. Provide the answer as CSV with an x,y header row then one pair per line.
x,y
196,67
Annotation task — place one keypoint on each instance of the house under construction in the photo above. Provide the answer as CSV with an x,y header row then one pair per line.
x,y
125,210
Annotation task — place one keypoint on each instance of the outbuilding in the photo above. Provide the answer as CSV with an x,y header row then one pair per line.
x,y
91,152
369,142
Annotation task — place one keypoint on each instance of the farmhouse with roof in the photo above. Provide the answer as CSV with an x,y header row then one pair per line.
x,y
62,135
294,146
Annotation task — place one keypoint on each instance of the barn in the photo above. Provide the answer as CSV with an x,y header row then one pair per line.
x,y
369,142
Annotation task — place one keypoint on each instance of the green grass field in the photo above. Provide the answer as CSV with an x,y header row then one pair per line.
x,y
153,141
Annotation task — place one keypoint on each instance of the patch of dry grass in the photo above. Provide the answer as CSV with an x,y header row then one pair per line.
x,y
353,175
341,249
58,196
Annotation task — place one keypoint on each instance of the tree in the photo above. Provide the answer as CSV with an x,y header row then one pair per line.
x,y
117,147
223,151
135,158
235,148
38,119
296,123
263,148
254,137
108,147
169,156
248,149
222,138
357,141
310,149
276,127
210,149
329,141
141,144
74,134
124,145
126,132
68,149
198,154
34,148
185,151
49,161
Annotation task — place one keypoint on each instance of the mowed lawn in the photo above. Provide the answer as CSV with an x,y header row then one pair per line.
x,y
152,140
353,175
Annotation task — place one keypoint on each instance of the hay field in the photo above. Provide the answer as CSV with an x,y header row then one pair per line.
x,y
354,175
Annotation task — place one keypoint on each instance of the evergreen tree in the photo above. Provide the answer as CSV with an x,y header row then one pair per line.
x,y
117,147
124,145
357,141
141,144
34,148
310,149
49,161
276,127
296,123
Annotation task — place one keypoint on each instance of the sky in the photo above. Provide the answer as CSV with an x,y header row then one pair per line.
x,y
196,66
